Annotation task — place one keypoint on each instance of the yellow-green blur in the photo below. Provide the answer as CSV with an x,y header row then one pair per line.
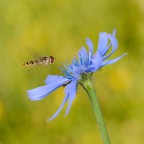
x,y
30,29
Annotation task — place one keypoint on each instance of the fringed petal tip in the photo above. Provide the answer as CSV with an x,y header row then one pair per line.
x,y
67,111
89,44
38,93
108,62
114,32
50,119
102,43
41,92
124,54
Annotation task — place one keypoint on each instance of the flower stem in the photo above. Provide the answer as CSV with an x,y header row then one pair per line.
x,y
87,84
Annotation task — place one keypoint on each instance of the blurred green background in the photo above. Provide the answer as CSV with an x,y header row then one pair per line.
x,y
59,28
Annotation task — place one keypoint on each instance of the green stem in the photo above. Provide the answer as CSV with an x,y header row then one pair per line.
x,y
89,88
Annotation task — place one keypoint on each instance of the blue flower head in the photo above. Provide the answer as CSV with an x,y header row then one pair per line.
x,y
87,62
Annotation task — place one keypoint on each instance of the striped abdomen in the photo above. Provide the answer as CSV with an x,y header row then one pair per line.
x,y
41,61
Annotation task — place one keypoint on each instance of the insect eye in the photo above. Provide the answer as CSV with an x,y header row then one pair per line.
x,y
52,59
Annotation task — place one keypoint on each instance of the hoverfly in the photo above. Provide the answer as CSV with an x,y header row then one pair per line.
x,y
40,61
65,84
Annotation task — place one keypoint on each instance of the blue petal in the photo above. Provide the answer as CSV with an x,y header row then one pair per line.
x,y
41,92
77,70
82,52
53,78
107,62
90,45
103,42
69,68
74,63
106,50
83,56
89,60
60,108
108,47
114,44
71,91
114,32
91,69
96,62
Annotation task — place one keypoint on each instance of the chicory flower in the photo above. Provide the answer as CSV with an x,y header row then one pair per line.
x,y
86,64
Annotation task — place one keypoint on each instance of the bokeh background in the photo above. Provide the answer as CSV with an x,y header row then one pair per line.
x,y
59,28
